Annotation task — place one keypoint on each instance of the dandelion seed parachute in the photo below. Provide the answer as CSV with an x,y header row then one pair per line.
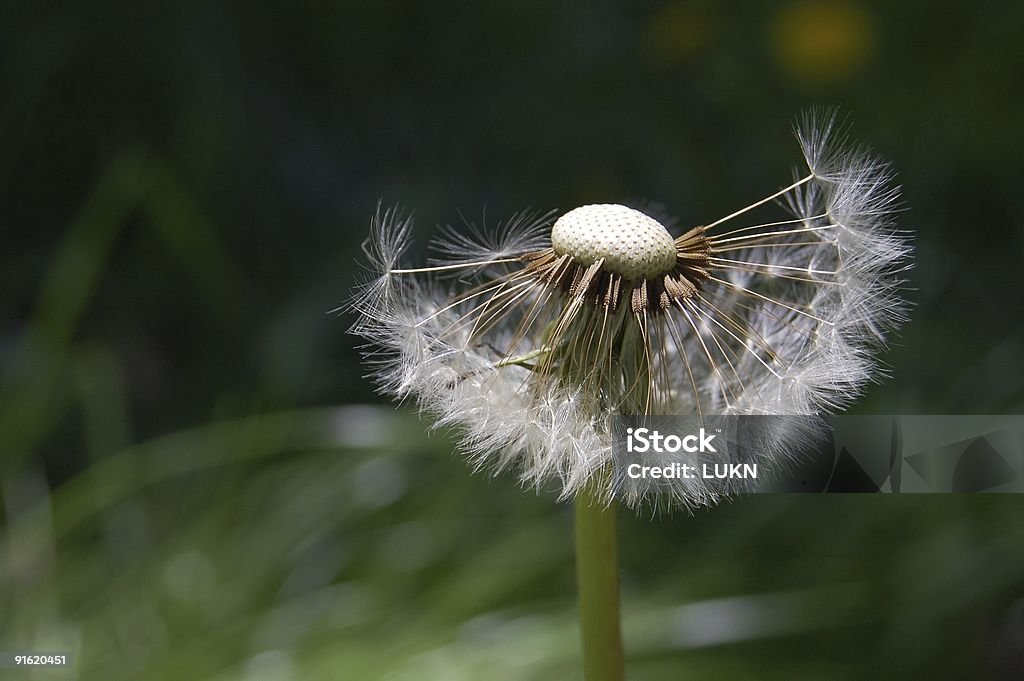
x,y
561,327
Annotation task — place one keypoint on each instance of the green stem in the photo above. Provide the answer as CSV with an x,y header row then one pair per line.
x,y
597,576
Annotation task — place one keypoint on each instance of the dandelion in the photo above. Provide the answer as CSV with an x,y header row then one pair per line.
x,y
531,337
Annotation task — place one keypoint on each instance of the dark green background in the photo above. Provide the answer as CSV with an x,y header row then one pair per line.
x,y
188,490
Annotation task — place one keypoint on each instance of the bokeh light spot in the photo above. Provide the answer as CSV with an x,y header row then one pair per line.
x,y
822,42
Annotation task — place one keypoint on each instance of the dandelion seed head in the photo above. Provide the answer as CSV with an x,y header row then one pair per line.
x,y
552,327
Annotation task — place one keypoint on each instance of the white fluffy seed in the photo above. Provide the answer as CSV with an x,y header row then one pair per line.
x,y
632,244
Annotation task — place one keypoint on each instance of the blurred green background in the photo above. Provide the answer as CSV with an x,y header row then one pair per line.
x,y
196,481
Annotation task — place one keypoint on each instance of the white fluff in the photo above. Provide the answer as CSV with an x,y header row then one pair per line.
x,y
788,324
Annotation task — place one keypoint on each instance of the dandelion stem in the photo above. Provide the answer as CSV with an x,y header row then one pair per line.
x,y
597,576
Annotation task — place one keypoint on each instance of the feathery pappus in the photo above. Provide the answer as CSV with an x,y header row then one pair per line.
x,y
530,338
